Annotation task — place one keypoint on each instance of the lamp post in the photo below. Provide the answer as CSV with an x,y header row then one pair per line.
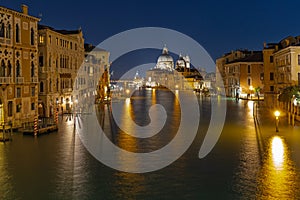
x,y
277,114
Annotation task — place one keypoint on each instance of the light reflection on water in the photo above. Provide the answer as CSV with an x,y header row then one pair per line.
x,y
278,178
57,166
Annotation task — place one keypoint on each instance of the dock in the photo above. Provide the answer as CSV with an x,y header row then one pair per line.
x,y
43,126
6,133
40,131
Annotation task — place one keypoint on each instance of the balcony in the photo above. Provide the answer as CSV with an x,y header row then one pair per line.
x,y
66,90
5,80
34,80
19,80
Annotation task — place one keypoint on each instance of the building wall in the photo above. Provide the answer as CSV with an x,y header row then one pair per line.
x,y
249,80
18,66
60,56
93,76
270,93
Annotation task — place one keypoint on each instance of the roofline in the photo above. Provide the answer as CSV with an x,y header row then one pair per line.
x,y
43,27
18,13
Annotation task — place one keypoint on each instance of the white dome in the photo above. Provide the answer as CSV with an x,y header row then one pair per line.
x,y
165,61
165,58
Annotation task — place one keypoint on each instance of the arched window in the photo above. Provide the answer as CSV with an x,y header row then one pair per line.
x,y
2,71
41,86
32,69
17,33
18,69
8,29
9,69
31,36
1,29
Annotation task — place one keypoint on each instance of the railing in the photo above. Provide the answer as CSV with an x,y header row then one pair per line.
x,y
5,80
34,80
66,90
19,80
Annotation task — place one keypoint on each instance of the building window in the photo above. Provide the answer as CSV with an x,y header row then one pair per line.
x,y
18,95
41,39
41,86
249,81
2,69
271,76
271,59
41,60
2,29
249,69
8,33
32,91
9,69
49,39
57,41
18,108
31,36
18,69
32,106
10,108
298,59
32,69
298,79
261,76
17,33
272,88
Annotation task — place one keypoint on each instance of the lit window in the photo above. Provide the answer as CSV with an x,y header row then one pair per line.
x,y
41,39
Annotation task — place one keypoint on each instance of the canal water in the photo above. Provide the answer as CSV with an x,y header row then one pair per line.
x,y
247,162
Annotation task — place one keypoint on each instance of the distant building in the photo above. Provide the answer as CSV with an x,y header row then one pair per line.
x,y
18,66
242,72
165,75
94,75
61,53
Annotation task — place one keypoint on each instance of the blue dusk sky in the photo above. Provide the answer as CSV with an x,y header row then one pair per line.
x,y
219,26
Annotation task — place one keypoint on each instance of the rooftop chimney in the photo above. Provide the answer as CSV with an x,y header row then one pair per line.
x,y
24,9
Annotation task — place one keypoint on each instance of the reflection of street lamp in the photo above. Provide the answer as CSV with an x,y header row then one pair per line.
x,y
277,114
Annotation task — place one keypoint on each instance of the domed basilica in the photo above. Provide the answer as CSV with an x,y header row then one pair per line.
x,y
165,61
164,74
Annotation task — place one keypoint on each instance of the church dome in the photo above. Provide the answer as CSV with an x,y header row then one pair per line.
x,y
180,63
165,58
165,61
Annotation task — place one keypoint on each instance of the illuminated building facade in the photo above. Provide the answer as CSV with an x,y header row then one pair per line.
x,y
18,66
282,67
61,53
242,73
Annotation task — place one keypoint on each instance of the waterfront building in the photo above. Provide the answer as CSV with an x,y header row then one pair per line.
x,y
270,93
242,73
61,53
282,67
18,66
93,78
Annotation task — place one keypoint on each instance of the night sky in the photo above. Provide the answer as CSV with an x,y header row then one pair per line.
x,y
219,26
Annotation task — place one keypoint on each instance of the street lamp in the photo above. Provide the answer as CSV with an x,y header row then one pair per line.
x,y
277,114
